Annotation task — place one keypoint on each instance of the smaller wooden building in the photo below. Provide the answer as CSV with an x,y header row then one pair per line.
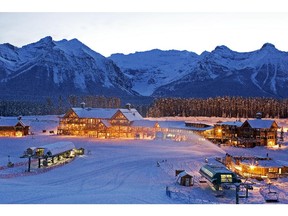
x,y
251,166
184,178
13,127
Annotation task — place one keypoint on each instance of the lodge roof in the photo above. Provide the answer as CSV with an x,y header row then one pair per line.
x,y
264,163
7,122
106,113
106,123
232,123
168,124
131,114
144,123
260,123
95,112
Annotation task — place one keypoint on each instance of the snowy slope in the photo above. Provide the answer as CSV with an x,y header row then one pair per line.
x,y
119,171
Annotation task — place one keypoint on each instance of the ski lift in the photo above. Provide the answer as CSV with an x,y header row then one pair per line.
x,y
270,196
242,193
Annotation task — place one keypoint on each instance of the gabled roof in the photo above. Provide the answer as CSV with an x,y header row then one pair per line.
x,y
260,123
131,114
106,123
184,173
7,122
95,112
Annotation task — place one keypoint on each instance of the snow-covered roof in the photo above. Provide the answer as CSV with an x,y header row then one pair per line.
x,y
106,123
57,148
260,123
131,114
172,124
232,123
4,122
264,163
184,173
95,112
106,113
144,123
168,124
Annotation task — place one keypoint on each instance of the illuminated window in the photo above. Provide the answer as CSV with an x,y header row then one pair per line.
x,y
226,178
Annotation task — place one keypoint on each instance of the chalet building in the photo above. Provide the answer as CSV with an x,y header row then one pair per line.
x,y
226,132
254,132
251,166
98,122
258,132
13,127
185,178
202,129
128,123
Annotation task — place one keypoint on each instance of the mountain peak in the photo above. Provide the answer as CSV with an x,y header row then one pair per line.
x,y
268,46
47,39
222,51
222,47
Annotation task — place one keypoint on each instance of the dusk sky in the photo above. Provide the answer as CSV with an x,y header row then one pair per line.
x,y
126,31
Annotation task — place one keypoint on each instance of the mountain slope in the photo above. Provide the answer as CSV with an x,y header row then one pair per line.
x,y
153,69
263,72
48,68
52,68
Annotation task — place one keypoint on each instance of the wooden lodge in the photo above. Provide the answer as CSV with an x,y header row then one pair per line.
x,y
128,123
252,166
13,127
258,132
99,122
251,133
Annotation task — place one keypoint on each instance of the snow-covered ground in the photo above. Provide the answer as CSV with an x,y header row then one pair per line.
x,y
120,171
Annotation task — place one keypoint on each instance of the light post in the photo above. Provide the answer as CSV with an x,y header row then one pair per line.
x,y
28,154
237,192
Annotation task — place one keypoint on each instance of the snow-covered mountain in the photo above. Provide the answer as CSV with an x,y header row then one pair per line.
x,y
153,69
263,72
52,68
48,68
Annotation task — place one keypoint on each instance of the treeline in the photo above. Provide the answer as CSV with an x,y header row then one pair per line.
x,y
55,106
238,107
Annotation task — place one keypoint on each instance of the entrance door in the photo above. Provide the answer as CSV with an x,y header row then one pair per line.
x,y
187,182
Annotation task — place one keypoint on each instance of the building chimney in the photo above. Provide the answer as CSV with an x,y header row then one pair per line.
x,y
258,115
83,105
128,106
